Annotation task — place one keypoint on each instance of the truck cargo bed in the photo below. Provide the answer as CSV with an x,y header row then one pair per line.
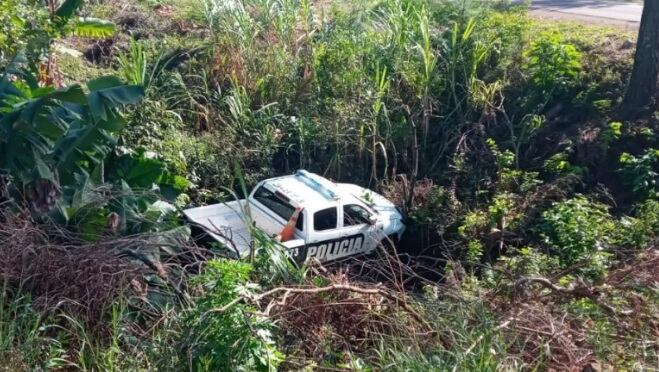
x,y
225,223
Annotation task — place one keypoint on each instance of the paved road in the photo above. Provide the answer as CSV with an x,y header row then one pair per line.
x,y
602,11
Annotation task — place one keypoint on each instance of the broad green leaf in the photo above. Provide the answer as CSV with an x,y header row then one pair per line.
x,y
114,122
91,222
172,185
42,170
108,93
170,239
31,110
104,82
7,87
94,28
68,8
141,171
159,210
42,91
72,94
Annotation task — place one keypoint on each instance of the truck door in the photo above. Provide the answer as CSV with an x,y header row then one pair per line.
x,y
322,235
331,238
271,210
356,223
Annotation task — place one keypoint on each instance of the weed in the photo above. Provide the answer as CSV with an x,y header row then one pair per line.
x,y
579,229
24,334
553,65
230,339
639,172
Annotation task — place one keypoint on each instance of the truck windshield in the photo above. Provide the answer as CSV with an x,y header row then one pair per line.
x,y
278,205
354,214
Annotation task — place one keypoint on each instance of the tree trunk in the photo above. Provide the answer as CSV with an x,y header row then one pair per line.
x,y
642,87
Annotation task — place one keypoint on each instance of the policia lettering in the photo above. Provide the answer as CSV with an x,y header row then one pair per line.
x,y
336,248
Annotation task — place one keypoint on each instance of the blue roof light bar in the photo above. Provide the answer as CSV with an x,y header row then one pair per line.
x,y
310,180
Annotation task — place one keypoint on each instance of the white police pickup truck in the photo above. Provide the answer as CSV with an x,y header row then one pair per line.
x,y
335,220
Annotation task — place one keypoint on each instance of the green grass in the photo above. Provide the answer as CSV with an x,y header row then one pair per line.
x,y
26,340
362,92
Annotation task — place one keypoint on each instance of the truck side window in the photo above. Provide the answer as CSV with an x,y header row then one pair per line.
x,y
354,214
300,222
325,219
276,204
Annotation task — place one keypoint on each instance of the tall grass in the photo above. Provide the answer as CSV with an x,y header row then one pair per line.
x,y
24,334
382,86
470,341
30,340
133,63
137,67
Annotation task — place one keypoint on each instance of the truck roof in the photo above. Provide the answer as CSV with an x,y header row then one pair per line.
x,y
309,190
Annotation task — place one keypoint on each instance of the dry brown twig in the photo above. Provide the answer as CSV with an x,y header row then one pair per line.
x,y
62,272
538,332
255,299
349,313
580,291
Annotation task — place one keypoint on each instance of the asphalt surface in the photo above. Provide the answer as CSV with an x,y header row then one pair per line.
x,y
598,11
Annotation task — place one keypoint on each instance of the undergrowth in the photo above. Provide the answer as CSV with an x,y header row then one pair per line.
x,y
532,212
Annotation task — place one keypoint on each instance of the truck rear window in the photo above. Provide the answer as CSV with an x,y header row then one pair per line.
x,y
278,205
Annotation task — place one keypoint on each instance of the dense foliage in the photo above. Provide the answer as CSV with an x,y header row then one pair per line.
x,y
532,212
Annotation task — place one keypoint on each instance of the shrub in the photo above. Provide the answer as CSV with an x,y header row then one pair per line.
x,y
578,229
236,338
641,230
431,201
152,127
510,178
526,261
559,164
22,25
639,172
553,64
648,213
474,252
473,223
612,132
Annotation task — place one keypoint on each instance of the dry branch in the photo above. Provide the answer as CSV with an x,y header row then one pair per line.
x,y
332,287
580,291
84,279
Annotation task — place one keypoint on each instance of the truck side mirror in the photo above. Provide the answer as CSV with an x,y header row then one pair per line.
x,y
372,220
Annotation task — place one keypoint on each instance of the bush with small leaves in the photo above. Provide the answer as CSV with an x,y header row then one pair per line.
x,y
559,164
578,230
640,172
553,65
642,229
522,262
235,338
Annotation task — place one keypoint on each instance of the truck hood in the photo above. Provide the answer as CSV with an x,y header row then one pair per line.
x,y
386,209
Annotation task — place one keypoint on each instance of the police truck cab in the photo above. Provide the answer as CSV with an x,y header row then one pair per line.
x,y
310,215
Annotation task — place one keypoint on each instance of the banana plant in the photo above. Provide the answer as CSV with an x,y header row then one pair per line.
x,y
50,138
59,21
63,17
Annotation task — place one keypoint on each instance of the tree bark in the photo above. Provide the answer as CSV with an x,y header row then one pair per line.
x,y
642,88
